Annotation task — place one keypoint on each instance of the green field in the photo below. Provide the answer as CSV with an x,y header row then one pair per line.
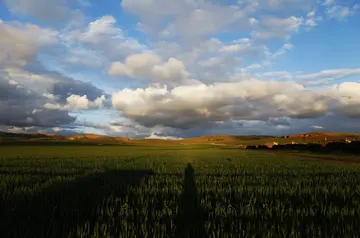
x,y
179,191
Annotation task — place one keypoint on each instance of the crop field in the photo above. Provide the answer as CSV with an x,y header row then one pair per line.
x,y
174,191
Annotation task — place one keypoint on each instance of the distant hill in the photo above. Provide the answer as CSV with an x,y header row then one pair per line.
x,y
328,134
218,140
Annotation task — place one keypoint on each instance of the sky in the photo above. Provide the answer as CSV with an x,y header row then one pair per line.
x,y
179,68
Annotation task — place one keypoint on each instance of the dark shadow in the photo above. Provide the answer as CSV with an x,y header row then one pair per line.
x,y
329,148
37,173
60,208
190,220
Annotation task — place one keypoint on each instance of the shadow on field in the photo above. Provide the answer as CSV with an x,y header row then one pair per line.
x,y
190,220
36,173
60,208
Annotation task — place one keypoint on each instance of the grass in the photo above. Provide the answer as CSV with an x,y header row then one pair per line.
x,y
173,191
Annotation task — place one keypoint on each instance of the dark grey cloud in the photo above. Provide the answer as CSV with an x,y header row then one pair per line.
x,y
279,121
26,85
64,87
21,106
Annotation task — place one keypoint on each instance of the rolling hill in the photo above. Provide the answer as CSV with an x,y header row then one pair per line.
x,y
219,140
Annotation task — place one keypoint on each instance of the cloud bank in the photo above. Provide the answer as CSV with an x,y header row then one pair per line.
x,y
176,68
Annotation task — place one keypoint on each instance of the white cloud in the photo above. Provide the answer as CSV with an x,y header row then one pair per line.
x,y
214,60
205,105
190,19
184,106
100,28
21,42
337,11
99,102
283,50
341,12
205,81
316,127
327,75
348,98
84,57
348,89
162,137
237,47
135,65
312,20
287,5
254,66
84,3
77,102
173,69
159,7
275,27
15,129
13,82
49,96
209,19
128,128
57,129
150,66
328,2
276,75
105,38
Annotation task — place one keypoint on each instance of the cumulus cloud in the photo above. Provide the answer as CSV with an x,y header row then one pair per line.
x,y
274,102
77,102
348,98
186,106
214,60
196,76
150,66
103,36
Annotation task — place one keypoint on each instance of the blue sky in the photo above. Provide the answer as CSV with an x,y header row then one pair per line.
x,y
179,68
